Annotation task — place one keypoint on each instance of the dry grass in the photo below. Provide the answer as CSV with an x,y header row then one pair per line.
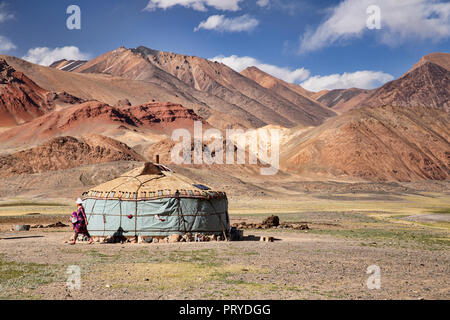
x,y
19,207
403,204
18,278
167,275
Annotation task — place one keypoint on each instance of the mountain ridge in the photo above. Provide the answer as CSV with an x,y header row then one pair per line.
x,y
64,153
289,91
376,144
245,97
22,100
426,85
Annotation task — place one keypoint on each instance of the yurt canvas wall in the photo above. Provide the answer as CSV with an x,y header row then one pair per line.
x,y
153,201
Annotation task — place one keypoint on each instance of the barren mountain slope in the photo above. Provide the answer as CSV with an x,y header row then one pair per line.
x,y
136,65
375,143
439,58
222,81
343,100
245,98
428,85
110,89
67,65
21,99
268,81
299,89
130,64
66,152
100,118
291,92
317,95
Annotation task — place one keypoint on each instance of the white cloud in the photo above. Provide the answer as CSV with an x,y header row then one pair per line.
x,y
199,5
400,20
6,45
262,3
4,14
359,79
46,56
223,24
240,63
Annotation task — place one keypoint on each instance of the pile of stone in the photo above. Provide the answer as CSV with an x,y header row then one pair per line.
x,y
21,227
267,239
27,227
272,222
59,224
81,238
174,238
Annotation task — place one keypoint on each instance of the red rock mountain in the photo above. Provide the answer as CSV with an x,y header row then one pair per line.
x,y
96,117
21,99
64,153
439,58
110,89
241,97
375,143
427,85
291,92
343,100
398,132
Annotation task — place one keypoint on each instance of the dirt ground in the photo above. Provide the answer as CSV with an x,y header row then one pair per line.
x,y
348,233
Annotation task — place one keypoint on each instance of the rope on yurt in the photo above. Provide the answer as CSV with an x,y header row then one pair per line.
x,y
195,216
104,216
92,212
136,204
135,215
220,219
180,210
120,212
186,230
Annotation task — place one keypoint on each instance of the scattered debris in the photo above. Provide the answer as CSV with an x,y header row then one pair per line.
x,y
267,239
272,222
142,239
174,238
22,227
236,234
81,238
59,224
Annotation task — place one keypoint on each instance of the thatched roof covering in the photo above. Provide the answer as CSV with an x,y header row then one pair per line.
x,y
149,181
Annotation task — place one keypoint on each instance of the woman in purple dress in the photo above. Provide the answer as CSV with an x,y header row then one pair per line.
x,y
80,222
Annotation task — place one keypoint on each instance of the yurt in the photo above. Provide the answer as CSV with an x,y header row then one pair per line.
x,y
154,201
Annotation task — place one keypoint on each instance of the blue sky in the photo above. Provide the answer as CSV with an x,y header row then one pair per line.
x,y
321,44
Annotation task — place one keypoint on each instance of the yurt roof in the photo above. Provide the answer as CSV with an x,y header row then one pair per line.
x,y
150,181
